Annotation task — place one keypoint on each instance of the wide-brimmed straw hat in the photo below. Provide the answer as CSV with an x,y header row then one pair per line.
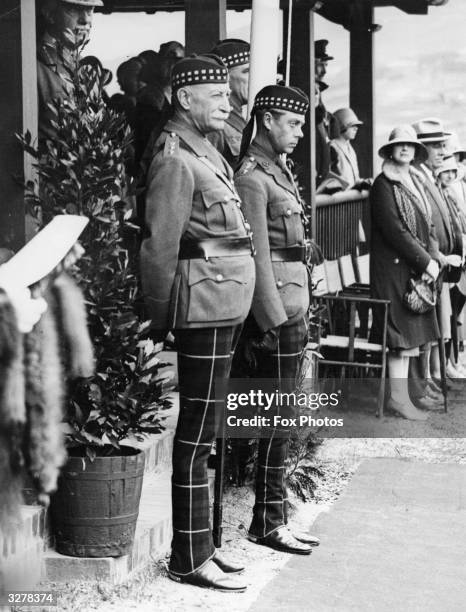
x,y
430,130
400,135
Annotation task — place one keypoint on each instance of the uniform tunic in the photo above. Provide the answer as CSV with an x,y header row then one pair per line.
x,y
54,81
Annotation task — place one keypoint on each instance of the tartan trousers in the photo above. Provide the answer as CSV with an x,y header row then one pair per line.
x,y
271,503
203,356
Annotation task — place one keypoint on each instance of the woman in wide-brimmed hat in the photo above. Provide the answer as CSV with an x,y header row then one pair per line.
x,y
400,249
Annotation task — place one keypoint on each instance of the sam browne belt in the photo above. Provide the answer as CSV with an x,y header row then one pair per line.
x,y
292,253
216,247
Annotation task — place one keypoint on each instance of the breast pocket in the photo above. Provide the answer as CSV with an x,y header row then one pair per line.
x,y
216,290
285,216
221,210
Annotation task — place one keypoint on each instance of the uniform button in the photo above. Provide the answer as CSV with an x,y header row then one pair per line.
x,y
238,204
219,277
279,283
288,212
251,158
247,226
396,260
172,134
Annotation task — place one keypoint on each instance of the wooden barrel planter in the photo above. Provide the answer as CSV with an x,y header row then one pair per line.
x,y
96,505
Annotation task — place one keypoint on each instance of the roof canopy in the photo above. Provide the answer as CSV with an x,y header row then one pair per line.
x,y
343,12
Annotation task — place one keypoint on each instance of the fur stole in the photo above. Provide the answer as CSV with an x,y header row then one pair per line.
x,y
12,414
391,171
44,393
72,318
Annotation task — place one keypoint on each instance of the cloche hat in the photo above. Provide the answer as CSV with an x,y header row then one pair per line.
x,y
403,134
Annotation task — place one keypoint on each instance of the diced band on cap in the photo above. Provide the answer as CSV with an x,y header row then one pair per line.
x,y
198,70
237,59
279,97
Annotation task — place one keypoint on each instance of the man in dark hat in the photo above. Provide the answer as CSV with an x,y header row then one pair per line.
x,y
235,55
67,27
276,331
326,128
321,59
198,279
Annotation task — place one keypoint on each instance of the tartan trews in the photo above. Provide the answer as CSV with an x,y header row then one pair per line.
x,y
271,504
203,355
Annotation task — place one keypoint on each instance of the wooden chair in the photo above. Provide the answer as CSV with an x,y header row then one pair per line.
x,y
345,344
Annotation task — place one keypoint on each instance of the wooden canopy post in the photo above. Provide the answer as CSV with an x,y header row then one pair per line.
x,y
18,113
362,84
205,24
302,75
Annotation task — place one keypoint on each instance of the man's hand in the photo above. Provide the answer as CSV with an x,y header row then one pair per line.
x,y
264,344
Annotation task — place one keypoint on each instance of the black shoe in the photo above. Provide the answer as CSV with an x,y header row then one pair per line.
x,y
306,538
210,576
281,539
426,403
226,566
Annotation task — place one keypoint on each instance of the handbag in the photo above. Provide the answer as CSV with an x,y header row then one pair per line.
x,y
421,296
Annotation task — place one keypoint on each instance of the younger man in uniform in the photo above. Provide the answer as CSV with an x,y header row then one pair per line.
x,y
277,326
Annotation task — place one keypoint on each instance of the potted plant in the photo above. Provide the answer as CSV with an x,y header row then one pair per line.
x,y
82,171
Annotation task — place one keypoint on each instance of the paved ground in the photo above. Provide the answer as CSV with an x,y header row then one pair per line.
x,y
395,541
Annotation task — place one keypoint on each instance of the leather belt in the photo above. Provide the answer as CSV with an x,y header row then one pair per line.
x,y
293,253
216,247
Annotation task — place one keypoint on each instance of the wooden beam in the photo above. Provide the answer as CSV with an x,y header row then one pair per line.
x,y
205,24
362,87
18,112
302,75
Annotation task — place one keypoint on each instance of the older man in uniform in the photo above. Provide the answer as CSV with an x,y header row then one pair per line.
x,y
67,27
235,54
198,278
277,327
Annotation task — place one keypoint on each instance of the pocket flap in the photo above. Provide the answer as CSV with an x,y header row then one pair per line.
x,y
218,271
284,207
216,194
290,273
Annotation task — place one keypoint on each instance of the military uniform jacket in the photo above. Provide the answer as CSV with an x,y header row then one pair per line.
x,y
228,142
54,80
273,208
190,195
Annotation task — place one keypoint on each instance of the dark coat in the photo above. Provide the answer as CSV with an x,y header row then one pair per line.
x,y
395,256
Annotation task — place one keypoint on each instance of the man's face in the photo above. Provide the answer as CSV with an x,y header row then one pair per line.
x,y
72,23
284,131
239,82
208,105
320,69
436,153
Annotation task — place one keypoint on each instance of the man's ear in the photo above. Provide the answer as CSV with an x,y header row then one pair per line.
x,y
184,98
267,119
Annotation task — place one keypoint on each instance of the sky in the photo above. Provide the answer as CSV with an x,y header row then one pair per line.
x,y
419,67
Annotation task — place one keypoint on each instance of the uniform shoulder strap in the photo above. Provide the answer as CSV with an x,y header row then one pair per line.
x,y
172,145
247,166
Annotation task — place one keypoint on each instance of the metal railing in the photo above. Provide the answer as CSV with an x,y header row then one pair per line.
x,y
339,218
